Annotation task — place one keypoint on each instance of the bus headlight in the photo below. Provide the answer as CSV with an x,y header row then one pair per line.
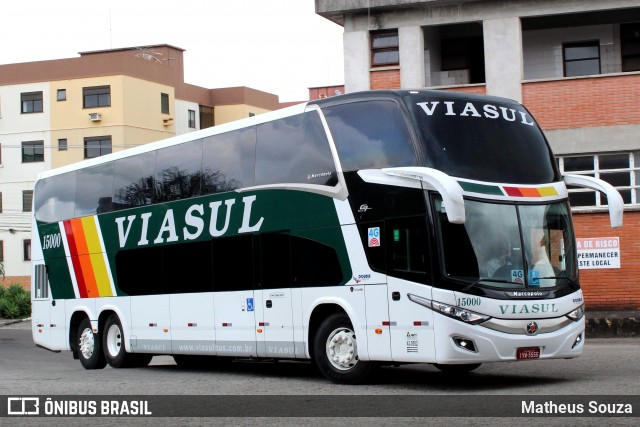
x,y
457,313
576,314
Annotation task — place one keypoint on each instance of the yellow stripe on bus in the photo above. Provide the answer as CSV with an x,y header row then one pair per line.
x,y
96,256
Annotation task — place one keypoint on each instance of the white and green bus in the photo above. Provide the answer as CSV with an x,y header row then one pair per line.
x,y
373,228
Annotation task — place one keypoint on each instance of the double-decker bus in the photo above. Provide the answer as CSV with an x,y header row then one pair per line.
x,y
372,228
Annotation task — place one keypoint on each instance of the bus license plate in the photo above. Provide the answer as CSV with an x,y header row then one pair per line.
x,y
528,353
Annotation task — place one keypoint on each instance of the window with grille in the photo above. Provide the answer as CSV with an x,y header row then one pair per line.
x,y
622,170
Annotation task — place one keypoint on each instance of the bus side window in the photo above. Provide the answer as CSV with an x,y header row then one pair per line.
x,y
294,150
228,161
93,190
133,181
370,135
139,271
314,264
275,261
186,267
54,197
407,249
232,263
178,172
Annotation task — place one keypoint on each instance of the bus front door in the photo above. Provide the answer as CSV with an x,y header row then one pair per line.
x,y
274,314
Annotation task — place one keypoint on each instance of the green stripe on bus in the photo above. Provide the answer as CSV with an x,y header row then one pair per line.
x,y
472,187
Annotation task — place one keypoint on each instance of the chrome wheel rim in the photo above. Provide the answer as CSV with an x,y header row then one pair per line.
x,y
87,343
342,349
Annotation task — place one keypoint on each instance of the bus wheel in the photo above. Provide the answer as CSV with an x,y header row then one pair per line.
x,y
457,369
336,351
89,347
114,351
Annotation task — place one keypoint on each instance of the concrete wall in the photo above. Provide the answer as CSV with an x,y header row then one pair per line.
x,y
543,49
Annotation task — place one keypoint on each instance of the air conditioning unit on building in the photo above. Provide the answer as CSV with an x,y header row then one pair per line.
x,y
95,117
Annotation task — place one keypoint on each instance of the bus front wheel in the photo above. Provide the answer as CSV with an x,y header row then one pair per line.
x,y
336,351
89,347
114,351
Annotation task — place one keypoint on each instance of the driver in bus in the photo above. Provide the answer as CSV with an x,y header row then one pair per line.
x,y
540,263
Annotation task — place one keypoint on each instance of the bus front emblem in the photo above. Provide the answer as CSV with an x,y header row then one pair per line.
x,y
532,328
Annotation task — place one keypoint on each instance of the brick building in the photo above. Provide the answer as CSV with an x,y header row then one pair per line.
x,y
574,64
53,113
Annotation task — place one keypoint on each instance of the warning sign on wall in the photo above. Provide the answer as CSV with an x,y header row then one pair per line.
x,y
599,252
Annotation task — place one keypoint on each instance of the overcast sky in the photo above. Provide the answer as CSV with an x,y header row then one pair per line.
x,y
278,46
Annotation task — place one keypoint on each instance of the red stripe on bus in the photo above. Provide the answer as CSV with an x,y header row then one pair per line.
x,y
73,252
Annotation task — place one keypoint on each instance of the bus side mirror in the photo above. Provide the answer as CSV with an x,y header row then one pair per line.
x,y
614,199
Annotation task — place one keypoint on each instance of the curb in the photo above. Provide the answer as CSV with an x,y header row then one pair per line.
x,y
624,327
7,322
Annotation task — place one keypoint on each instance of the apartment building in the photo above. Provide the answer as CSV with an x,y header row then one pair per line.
x,y
574,64
53,113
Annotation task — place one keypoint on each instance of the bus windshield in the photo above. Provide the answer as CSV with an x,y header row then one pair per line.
x,y
508,246
484,139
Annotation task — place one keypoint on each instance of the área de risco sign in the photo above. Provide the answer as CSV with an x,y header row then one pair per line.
x,y
599,252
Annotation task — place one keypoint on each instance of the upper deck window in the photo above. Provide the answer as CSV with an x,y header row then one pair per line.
x,y
370,135
481,139
294,150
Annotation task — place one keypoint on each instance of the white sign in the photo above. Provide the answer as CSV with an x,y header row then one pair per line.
x,y
599,252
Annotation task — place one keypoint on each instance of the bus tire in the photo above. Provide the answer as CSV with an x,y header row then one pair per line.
x,y
336,351
457,369
114,351
89,347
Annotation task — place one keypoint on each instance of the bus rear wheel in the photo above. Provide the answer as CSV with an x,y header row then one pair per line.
x,y
114,351
89,347
336,351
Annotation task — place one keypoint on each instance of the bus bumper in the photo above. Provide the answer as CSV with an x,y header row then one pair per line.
x,y
458,342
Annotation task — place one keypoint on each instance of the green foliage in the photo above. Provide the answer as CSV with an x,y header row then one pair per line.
x,y
15,302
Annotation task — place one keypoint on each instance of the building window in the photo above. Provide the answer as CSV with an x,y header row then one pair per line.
x,y
1,251
96,96
622,170
192,119
62,95
581,59
164,103
385,48
0,202
27,249
31,102
27,200
206,117
630,45
62,144
32,151
97,146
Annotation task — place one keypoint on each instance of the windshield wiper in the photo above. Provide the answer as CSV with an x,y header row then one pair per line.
x,y
486,280
568,279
